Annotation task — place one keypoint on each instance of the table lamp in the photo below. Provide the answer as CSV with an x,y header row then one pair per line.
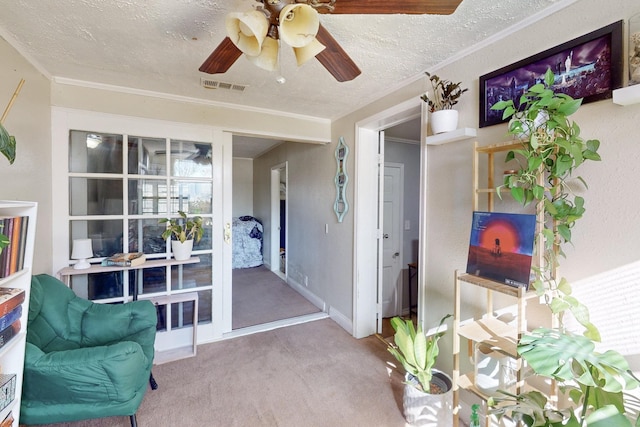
x,y
81,251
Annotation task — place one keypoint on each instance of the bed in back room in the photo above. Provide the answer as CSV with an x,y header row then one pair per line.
x,y
247,242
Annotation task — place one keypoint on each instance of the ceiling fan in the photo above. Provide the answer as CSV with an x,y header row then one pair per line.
x,y
295,22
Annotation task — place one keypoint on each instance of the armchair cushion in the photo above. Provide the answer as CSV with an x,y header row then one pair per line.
x,y
84,360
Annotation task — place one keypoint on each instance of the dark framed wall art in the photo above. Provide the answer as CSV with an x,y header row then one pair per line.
x,y
588,67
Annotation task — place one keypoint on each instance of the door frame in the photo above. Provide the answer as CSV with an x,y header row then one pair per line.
x,y
400,237
366,269
276,177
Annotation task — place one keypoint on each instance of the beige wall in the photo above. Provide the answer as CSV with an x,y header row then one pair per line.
x,y
29,120
607,237
242,187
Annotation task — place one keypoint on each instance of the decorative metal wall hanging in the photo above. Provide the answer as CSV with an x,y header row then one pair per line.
x,y
341,206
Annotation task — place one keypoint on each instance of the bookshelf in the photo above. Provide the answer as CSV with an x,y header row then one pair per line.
x,y
13,351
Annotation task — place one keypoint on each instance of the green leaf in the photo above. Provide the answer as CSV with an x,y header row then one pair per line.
x,y
7,145
607,416
518,194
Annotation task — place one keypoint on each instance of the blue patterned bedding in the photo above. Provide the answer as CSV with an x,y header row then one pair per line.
x,y
247,242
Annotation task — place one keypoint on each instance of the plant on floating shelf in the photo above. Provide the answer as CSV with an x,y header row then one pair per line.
x,y
445,94
552,149
183,228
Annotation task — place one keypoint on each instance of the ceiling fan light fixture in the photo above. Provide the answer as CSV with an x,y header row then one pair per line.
x,y
303,54
268,57
247,30
299,24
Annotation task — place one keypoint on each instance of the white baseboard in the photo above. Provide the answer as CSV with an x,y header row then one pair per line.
x,y
341,320
310,296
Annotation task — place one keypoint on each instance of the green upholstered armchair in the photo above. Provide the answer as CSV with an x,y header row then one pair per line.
x,y
84,360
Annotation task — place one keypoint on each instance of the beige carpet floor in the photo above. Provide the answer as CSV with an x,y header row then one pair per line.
x,y
260,296
313,374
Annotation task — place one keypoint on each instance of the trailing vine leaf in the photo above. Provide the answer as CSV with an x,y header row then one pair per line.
x,y
7,145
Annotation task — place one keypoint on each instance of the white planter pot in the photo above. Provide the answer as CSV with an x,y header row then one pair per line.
x,y
181,251
529,126
425,409
444,121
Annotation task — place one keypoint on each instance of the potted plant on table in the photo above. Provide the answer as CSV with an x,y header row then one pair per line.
x,y
427,398
592,381
443,96
182,232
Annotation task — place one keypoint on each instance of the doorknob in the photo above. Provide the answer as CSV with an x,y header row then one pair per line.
x,y
396,255
386,236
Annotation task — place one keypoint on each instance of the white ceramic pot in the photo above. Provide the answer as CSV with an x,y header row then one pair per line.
x,y
425,409
529,126
444,121
182,251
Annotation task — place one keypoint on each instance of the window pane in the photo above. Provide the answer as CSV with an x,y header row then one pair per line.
x,y
147,156
191,159
105,285
92,152
147,196
192,275
182,314
105,235
191,197
154,280
95,196
145,235
204,307
205,243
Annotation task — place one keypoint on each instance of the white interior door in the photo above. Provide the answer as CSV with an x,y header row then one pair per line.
x,y
392,240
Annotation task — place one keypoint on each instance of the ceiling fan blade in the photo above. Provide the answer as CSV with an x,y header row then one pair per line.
x,y
335,59
381,7
222,58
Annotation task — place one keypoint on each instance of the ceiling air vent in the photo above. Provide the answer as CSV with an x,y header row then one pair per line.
x,y
214,84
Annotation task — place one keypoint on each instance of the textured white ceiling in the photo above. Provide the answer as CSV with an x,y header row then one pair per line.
x,y
159,46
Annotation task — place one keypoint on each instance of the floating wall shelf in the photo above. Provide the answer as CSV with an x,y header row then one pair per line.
x,y
627,95
456,135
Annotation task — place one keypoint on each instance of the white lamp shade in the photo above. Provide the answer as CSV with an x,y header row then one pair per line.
x,y
268,58
303,54
247,30
81,251
299,24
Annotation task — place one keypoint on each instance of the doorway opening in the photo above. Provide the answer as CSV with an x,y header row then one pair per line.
x,y
369,247
262,297
279,177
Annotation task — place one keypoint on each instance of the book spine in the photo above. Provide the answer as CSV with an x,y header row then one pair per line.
x,y
10,317
10,304
23,241
3,255
15,244
8,231
8,333
109,263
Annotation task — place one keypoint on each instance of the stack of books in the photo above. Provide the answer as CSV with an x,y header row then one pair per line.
x,y
130,259
12,257
11,300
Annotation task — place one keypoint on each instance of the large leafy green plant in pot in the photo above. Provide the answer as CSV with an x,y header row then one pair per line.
x,y
444,94
427,397
591,382
183,231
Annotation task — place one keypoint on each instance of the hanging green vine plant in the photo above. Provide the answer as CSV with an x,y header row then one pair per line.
x,y
552,149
